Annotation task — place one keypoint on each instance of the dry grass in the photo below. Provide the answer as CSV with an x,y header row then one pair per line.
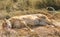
x,y
10,8
21,7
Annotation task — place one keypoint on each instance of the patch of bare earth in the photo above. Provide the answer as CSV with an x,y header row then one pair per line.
x,y
42,31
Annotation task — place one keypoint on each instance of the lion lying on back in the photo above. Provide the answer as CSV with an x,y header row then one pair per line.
x,y
26,20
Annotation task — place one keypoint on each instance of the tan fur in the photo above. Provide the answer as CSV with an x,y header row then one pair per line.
x,y
28,20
